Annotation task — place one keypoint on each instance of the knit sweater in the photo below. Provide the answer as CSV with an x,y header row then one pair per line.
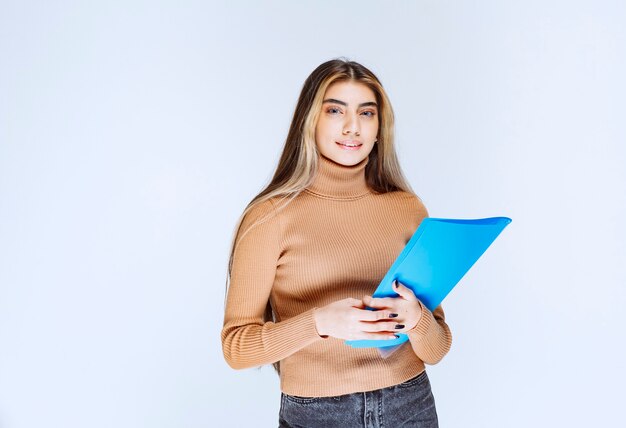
x,y
336,239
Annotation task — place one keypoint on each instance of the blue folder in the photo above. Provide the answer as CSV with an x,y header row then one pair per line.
x,y
434,260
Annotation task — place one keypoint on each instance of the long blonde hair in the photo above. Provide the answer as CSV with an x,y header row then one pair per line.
x,y
298,162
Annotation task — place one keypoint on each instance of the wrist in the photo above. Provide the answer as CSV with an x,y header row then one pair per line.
x,y
420,314
317,318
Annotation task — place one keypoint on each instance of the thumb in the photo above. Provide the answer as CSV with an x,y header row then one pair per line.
x,y
404,291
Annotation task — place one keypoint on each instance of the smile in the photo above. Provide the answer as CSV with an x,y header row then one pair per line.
x,y
349,145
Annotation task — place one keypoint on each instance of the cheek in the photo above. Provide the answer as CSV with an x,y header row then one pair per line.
x,y
327,131
373,128
321,129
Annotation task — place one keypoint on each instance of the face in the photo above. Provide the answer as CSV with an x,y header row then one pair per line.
x,y
347,127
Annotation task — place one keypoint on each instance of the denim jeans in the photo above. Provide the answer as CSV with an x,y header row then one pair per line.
x,y
409,404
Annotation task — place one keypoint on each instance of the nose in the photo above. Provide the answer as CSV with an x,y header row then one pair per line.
x,y
351,125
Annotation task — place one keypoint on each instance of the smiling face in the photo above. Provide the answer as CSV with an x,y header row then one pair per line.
x,y
347,127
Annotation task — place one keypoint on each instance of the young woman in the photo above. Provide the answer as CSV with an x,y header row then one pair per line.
x,y
311,248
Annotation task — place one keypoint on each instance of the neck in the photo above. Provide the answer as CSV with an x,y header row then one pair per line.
x,y
338,181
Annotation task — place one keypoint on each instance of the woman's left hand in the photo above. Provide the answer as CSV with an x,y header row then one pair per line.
x,y
407,306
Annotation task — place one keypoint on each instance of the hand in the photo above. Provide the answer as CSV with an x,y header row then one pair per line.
x,y
349,320
407,306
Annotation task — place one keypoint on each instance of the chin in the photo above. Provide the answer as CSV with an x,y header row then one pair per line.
x,y
346,161
345,157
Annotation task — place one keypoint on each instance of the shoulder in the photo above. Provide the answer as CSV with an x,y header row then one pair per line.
x,y
259,211
261,217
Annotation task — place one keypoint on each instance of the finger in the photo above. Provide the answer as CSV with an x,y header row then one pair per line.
x,y
382,314
380,326
376,336
355,303
404,291
378,302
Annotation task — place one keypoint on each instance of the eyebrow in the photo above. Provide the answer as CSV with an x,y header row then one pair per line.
x,y
332,100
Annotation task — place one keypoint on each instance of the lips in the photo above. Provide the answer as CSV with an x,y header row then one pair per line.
x,y
349,144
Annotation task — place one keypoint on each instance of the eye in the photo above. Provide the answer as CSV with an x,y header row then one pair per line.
x,y
369,113
333,110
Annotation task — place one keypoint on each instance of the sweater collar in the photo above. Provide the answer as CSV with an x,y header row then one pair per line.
x,y
338,181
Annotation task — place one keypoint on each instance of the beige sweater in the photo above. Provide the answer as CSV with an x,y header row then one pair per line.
x,y
337,239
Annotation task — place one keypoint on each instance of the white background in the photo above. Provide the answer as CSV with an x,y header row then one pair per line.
x,y
133,134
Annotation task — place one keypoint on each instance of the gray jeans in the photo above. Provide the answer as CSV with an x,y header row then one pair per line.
x,y
409,404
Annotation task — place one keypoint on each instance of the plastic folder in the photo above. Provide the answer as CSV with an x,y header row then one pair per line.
x,y
434,260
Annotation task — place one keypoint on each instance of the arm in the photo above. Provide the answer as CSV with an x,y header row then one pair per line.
x,y
428,332
430,338
247,340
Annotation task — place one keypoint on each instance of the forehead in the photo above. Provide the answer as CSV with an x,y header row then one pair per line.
x,y
350,91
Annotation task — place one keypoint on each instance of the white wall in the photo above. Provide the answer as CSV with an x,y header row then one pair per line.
x,y
132,134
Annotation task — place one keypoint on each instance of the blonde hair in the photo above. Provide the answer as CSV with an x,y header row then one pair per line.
x,y
298,162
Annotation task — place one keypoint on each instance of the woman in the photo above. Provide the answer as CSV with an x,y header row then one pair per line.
x,y
309,250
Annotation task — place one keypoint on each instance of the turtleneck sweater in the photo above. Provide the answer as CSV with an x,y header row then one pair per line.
x,y
335,240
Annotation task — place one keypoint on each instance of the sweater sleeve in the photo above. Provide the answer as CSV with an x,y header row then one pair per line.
x,y
431,338
247,340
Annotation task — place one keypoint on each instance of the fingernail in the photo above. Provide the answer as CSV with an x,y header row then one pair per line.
x,y
393,315
399,326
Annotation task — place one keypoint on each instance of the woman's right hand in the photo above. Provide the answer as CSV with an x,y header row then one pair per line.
x,y
349,320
